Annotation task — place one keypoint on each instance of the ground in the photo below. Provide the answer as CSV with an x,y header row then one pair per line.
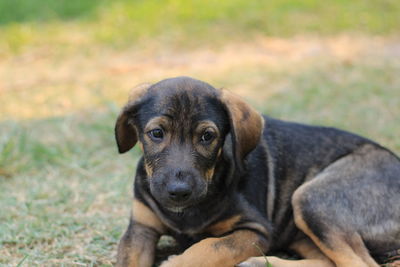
x,y
64,190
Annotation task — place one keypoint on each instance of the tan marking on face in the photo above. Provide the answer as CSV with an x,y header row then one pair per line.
x,y
149,169
224,226
219,153
157,122
145,216
210,173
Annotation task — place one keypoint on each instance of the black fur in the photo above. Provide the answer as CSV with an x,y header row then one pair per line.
x,y
287,156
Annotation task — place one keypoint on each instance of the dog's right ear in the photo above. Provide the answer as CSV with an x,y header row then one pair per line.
x,y
126,133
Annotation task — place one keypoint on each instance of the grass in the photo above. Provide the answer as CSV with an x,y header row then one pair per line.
x,y
67,66
121,23
60,196
45,10
267,263
64,190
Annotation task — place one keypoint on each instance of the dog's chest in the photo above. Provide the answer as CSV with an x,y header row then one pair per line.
x,y
192,223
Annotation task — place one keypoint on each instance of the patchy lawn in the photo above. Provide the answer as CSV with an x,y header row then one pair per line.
x,y
66,68
64,190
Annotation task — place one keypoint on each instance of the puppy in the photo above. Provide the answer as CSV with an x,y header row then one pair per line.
x,y
230,184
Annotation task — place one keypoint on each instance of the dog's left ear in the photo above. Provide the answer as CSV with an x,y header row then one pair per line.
x,y
126,133
246,126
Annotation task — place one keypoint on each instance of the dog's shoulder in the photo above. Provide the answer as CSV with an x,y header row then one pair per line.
x,y
309,142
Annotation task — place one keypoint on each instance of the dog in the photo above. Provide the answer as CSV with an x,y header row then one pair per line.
x,y
231,185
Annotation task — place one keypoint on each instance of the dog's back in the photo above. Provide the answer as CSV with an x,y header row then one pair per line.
x,y
291,154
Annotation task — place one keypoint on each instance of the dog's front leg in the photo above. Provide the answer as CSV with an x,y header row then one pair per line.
x,y
222,251
137,245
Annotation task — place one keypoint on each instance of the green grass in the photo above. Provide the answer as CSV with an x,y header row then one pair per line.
x,y
364,99
45,10
176,22
63,198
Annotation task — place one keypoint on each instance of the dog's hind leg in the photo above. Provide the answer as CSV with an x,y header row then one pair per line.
x,y
345,249
307,249
352,206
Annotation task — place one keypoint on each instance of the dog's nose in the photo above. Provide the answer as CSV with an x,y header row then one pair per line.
x,y
179,191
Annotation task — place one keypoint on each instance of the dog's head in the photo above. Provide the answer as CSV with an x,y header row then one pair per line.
x,y
184,127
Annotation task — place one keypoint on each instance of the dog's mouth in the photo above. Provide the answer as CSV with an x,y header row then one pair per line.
x,y
176,209
179,207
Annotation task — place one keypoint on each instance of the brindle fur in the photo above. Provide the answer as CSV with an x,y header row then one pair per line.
x,y
329,195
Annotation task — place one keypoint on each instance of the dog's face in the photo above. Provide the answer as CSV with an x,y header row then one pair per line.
x,y
182,125
182,133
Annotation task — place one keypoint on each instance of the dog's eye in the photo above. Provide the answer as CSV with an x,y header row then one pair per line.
x,y
207,137
156,134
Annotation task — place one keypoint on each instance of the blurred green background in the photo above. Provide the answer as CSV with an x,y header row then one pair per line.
x,y
178,22
66,68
